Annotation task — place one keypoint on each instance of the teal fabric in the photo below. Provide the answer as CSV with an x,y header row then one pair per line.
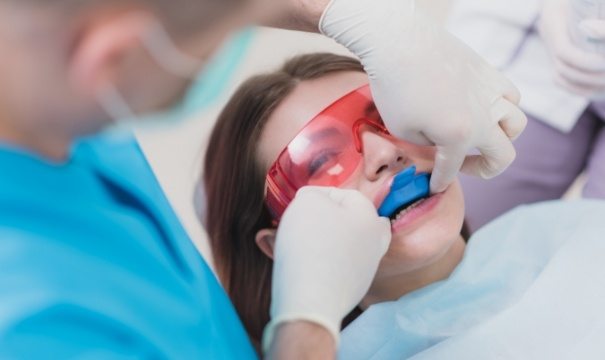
x,y
208,87
215,78
94,263
529,287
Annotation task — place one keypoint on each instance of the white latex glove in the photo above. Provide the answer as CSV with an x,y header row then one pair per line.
x,y
579,71
328,247
429,87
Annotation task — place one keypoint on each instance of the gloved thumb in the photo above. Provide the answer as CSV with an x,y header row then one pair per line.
x,y
335,195
448,162
319,191
593,29
386,235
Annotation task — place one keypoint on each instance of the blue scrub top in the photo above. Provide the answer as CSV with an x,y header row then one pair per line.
x,y
95,264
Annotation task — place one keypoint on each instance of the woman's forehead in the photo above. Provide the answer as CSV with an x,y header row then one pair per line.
x,y
310,97
305,102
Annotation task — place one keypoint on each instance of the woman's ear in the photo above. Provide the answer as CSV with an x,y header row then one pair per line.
x,y
265,240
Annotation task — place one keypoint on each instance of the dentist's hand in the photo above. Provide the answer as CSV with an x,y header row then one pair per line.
x,y
328,247
579,71
429,87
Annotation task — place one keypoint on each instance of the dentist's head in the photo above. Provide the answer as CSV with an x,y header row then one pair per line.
x,y
69,68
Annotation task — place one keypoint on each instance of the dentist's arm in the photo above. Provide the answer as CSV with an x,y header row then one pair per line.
x,y
328,247
302,340
430,88
301,15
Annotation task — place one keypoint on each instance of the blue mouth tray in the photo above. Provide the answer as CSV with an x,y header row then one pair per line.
x,y
407,187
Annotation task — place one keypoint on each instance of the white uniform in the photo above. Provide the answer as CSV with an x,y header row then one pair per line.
x,y
565,135
503,31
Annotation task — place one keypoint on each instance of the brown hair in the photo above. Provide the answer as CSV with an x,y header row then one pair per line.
x,y
235,183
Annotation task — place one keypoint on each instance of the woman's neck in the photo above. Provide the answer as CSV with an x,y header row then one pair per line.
x,y
394,287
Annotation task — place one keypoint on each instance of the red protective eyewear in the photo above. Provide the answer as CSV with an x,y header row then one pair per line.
x,y
326,152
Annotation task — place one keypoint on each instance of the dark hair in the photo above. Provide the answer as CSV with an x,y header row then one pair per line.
x,y
235,183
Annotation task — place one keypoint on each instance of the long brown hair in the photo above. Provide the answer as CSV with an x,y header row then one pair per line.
x,y
235,182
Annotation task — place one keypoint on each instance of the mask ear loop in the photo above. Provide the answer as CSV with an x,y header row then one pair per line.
x,y
165,52
114,104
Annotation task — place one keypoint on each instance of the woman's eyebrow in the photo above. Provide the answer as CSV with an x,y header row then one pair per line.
x,y
325,133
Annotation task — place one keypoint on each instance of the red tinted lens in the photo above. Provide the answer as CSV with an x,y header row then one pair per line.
x,y
326,152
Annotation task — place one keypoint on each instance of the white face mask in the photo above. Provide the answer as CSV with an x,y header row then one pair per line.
x,y
166,54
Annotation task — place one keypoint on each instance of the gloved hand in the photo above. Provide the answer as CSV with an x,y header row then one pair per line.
x,y
328,247
579,71
429,87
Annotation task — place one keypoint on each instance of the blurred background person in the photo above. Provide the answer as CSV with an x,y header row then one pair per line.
x,y
551,50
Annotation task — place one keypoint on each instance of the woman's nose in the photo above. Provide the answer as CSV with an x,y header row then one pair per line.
x,y
381,156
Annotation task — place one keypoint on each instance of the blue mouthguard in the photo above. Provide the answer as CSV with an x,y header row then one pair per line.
x,y
407,187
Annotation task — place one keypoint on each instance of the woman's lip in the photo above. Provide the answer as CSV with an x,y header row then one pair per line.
x,y
417,213
385,189
383,192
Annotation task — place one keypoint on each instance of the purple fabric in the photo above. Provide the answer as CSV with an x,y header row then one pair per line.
x,y
548,162
595,186
599,108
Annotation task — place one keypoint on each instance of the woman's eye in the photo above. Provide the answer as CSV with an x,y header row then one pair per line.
x,y
320,160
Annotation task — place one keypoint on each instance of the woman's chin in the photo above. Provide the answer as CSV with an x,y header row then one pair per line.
x,y
428,234
433,209
418,214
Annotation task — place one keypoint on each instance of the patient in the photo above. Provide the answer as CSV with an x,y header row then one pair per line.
x,y
260,121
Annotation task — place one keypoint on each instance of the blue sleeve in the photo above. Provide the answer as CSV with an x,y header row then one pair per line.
x,y
49,306
64,331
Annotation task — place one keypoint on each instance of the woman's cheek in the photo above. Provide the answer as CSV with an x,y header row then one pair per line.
x,y
456,204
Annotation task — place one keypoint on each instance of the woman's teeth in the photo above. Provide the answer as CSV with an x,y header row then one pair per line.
x,y
405,210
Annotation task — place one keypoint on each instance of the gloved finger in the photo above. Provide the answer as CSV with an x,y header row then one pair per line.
x,y
415,137
354,200
349,198
564,48
567,52
303,191
333,194
510,117
385,235
580,90
315,193
583,78
497,153
448,161
502,85
593,29
510,91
